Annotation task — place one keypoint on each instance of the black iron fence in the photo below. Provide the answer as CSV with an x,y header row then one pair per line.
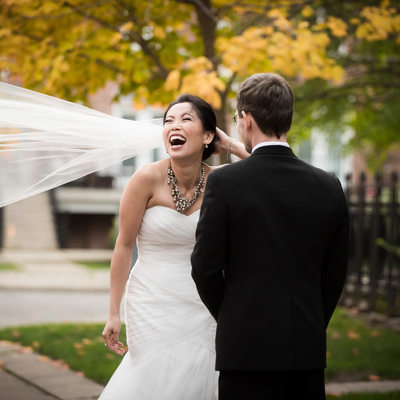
x,y
373,281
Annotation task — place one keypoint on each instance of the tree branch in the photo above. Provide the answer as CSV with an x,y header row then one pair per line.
x,y
340,92
203,8
134,36
102,63
229,84
137,37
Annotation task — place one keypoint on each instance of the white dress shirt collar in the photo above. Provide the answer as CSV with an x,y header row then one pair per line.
x,y
270,143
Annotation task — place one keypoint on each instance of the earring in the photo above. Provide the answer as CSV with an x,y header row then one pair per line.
x,y
206,146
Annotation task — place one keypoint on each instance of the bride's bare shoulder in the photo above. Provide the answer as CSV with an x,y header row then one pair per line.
x,y
148,175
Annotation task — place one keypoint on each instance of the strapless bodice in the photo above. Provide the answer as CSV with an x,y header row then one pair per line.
x,y
166,236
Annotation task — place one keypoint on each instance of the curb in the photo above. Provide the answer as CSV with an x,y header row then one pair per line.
x,y
362,387
25,374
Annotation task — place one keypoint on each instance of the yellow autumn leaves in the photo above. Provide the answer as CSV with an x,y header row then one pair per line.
x,y
197,76
377,23
294,47
293,50
302,53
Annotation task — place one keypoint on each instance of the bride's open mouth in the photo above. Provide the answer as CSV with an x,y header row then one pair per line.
x,y
177,141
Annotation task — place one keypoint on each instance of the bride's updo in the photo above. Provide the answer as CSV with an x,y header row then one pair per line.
x,y
206,115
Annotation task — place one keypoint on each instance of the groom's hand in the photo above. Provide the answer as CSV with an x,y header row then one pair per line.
x,y
111,336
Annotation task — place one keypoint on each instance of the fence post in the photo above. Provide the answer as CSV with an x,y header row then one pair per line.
x,y
392,240
358,223
374,256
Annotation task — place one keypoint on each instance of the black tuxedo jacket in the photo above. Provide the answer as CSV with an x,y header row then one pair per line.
x,y
270,260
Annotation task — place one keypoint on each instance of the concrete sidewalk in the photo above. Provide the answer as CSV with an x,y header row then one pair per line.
x,y
54,270
26,375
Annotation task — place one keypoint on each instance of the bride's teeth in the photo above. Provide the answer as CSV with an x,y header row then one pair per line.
x,y
176,139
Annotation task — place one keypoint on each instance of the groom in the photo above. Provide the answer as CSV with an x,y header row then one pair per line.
x,y
271,254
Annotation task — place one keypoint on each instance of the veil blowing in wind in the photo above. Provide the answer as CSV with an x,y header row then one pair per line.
x,y
46,142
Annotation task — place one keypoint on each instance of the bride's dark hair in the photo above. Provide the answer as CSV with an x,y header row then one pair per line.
x,y
206,115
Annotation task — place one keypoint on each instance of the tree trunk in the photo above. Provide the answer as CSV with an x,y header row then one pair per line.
x,y
207,23
222,124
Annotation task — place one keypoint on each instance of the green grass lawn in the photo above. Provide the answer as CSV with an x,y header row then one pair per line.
x,y
79,345
9,266
354,349
95,264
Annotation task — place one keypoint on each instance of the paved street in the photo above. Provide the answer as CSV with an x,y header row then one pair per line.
x,y
51,287
27,307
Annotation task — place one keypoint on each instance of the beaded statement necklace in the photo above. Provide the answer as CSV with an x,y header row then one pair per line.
x,y
181,204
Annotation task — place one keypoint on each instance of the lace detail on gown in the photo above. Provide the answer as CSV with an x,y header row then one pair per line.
x,y
170,333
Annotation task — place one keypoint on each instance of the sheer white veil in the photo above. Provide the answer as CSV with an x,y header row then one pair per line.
x,y
46,142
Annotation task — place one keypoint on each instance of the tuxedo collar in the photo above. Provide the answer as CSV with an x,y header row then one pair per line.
x,y
276,150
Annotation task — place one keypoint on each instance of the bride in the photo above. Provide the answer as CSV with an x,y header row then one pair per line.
x,y
170,333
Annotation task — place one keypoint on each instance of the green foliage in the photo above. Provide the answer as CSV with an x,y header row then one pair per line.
x,y
388,247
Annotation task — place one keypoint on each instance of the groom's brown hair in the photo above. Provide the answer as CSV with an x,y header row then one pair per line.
x,y
269,99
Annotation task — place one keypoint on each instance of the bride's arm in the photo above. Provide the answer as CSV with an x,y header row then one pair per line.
x,y
132,206
229,145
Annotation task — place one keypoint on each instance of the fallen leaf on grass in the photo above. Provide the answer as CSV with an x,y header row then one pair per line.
x,y
375,333
35,344
355,311
15,333
43,358
336,335
353,334
374,378
355,352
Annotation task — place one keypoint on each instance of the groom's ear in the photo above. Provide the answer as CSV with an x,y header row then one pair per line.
x,y
248,120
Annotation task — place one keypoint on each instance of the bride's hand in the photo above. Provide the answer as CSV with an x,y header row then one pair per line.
x,y
111,335
222,142
228,145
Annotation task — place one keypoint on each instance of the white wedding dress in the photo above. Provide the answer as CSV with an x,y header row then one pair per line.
x,y
170,333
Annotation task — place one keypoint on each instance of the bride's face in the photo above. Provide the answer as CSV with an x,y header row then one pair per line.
x,y
183,132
